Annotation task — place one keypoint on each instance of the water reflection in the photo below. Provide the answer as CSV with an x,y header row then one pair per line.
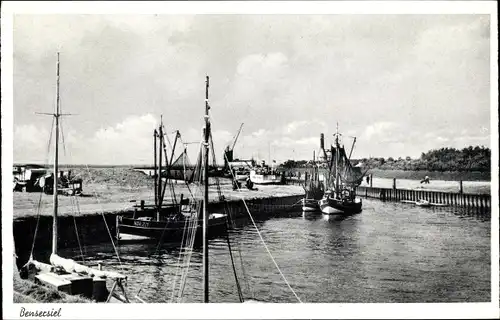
x,y
391,252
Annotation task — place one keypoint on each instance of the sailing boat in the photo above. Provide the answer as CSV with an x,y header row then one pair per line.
x,y
66,275
165,221
340,197
314,189
206,218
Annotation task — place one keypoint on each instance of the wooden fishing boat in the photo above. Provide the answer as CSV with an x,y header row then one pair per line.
x,y
166,222
340,197
314,190
206,231
66,275
265,175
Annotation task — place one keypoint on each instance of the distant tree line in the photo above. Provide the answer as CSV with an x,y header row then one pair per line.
x,y
444,159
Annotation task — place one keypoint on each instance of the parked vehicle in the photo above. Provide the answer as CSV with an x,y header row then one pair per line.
x,y
67,185
26,177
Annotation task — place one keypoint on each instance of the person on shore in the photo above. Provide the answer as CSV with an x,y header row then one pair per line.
x,y
426,180
249,183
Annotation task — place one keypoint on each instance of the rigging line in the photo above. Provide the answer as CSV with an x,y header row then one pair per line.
x,y
190,254
105,222
158,247
72,199
187,261
233,225
161,237
62,131
269,252
79,212
41,193
193,236
232,263
180,255
239,252
265,246
174,282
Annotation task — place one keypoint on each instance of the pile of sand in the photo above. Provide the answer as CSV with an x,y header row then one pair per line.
x,y
113,176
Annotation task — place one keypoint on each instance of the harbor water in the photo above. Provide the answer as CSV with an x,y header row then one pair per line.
x,y
391,252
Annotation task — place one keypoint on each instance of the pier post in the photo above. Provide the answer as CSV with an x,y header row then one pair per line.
x,y
461,187
371,180
394,183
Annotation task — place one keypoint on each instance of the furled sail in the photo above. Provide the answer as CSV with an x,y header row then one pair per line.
x,y
349,175
182,169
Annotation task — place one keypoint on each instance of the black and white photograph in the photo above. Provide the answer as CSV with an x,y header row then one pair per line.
x,y
250,160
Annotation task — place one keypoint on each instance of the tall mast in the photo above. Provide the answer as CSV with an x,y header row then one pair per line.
x,y
160,181
56,163
337,149
205,199
155,135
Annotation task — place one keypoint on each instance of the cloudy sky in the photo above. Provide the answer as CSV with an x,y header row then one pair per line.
x,y
402,84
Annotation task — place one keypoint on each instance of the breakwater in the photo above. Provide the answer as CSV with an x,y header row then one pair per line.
x,y
90,229
481,203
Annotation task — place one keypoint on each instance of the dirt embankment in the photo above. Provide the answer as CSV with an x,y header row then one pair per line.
x,y
117,189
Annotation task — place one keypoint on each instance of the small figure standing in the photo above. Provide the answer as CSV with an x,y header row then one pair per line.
x,y
367,179
426,180
249,183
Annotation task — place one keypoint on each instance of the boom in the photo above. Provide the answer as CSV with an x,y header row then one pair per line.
x,y
236,136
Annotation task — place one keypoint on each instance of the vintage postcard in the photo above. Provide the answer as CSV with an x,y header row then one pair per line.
x,y
268,159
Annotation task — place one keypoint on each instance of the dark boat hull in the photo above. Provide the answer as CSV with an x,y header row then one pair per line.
x,y
332,206
129,229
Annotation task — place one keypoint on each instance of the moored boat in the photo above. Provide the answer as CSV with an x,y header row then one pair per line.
x,y
314,189
166,222
265,175
340,197
66,275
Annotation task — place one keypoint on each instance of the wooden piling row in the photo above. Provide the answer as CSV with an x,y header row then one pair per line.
x,y
482,202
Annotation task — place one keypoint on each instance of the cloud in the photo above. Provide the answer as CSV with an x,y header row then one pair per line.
x,y
30,143
388,79
379,130
255,65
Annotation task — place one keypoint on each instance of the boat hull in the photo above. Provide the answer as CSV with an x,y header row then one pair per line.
x,y
129,229
332,206
310,205
265,178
